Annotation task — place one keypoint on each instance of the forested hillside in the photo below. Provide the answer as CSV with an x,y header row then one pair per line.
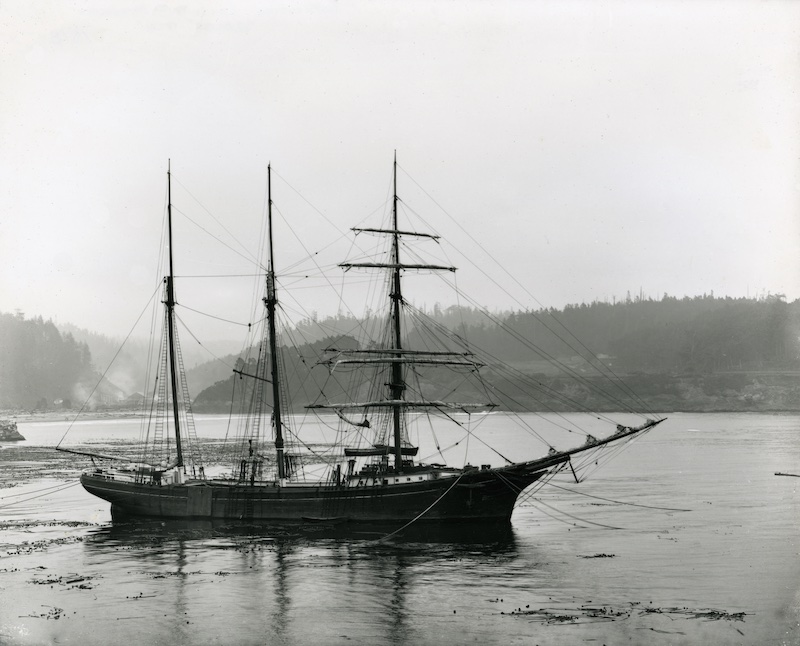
x,y
699,353
39,368
702,353
303,375
126,362
700,334
704,334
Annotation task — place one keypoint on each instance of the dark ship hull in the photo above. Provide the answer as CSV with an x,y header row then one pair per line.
x,y
478,495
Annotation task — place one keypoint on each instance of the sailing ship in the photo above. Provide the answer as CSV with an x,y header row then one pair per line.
x,y
374,474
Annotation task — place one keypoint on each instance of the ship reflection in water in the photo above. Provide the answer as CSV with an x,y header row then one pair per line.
x,y
297,583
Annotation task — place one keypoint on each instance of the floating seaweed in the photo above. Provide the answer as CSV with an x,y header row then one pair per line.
x,y
53,613
708,614
72,581
585,613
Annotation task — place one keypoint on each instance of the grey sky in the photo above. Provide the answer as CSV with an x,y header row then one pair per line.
x,y
596,147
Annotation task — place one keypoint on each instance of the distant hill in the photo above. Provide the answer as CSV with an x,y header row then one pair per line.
x,y
211,372
704,334
129,367
701,353
698,334
303,376
129,362
39,367
690,346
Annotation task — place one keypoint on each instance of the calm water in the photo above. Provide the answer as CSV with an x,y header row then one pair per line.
x,y
571,570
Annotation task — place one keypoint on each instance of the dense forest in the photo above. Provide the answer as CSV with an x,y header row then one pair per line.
x,y
39,367
702,353
691,353
702,334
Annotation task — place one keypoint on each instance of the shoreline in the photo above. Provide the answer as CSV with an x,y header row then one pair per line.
x,y
68,416
73,417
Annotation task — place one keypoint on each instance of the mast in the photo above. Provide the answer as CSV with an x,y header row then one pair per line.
x,y
394,353
271,301
397,385
171,327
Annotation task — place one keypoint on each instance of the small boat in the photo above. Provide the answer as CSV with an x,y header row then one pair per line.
x,y
372,474
9,432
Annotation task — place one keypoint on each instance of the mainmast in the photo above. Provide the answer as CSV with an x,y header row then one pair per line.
x,y
170,303
397,386
271,301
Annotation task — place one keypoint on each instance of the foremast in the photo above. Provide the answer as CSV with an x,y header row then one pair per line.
x,y
271,302
170,307
168,391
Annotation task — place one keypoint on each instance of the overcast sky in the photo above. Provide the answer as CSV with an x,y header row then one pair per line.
x,y
595,147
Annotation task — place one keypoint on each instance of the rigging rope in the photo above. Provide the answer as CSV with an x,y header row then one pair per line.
x,y
470,433
420,515
66,486
323,274
553,516
583,520
548,357
605,453
619,383
15,495
549,475
185,276
211,316
248,258
108,367
511,372
191,334
336,228
176,180
619,502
